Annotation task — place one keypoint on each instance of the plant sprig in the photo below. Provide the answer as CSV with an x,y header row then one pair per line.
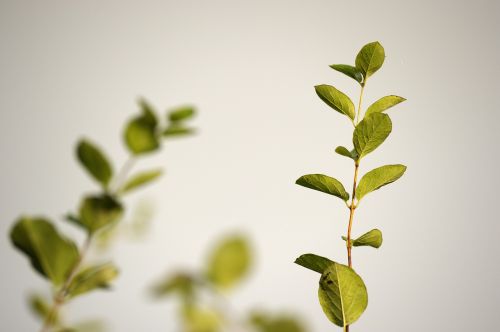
x,y
342,292
56,257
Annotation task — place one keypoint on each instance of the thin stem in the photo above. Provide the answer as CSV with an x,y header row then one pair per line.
x,y
359,104
60,296
122,174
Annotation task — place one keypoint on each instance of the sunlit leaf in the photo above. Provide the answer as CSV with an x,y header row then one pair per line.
x,y
201,319
51,254
181,113
336,100
371,132
99,211
383,104
372,238
350,71
324,184
229,262
94,162
343,151
377,178
92,278
140,179
342,294
313,262
370,59
140,135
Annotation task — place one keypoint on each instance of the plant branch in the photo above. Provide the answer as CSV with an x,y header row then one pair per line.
x,y
359,104
122,174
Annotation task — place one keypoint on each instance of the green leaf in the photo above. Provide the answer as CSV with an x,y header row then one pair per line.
x,y
140,179
51,254
41,308
383,104
94,162
97,212
336,100
370,59
275,323
350,71
343,151
201,319
313,262
181,113
148,113
371,132
140,135
342,294
180,283
372,238
92,278
377,178
229,262
177,129
324,184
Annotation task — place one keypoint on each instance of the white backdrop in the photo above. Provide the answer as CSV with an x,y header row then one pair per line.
x,y
74,68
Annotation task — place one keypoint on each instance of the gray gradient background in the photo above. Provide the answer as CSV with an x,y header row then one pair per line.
x,y
73,68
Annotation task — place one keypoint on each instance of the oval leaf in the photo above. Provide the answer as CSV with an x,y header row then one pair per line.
x,y
343,151
181,114
92,278
383,104
350,71
324,184
180,283
51,254
229,262
313,262
148,113
140,179
94,162
371,132
41,308
140,135
97,212
177,129
336,100
377,178
370,59
372,238
342,294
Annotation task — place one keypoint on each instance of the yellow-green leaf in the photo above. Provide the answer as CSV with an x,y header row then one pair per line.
x,y
180,283
343,151
181,113
313,262
336,99
372,238
99,211
140,179
94,161
370,59
324,184
377,178
91,278
383,104
350,71
371,132
41,308
140,135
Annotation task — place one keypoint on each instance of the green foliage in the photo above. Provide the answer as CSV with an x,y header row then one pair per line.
x,y
99,211
181,114
94,161
370,133
314,262
343,151
324,184
372,238
140,136
199,319
383,104
342,294
378,178
229,262
41,308
370,59
91,278
178,118
140,179
51,254
183,284
350,71
275,323
336,99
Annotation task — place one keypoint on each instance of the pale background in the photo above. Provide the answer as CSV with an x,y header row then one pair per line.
x,y
74,68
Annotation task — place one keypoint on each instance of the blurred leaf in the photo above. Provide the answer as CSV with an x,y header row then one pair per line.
x,y
85,326
336,100
342,294
198,319
140,135
370,59
377,178
176,129
148,113
313,262
140,179
180,283
278,323
372,238
371,132
383,104
346,153
94,162
97,212
229,262
350,71
41,308
324,184
51,254
181,113
91,278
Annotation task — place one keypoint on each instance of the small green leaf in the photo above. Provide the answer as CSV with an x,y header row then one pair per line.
x,y
201,319
140,135
51,254
176,129
140,179
372,238
371,132
97,212
350,71
336,100
342,294
148,113
92,278
94,162
346,153
180,283
229,262
181,113
370,59
275,323
41,308
324,184
377,178
383,104
313,262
